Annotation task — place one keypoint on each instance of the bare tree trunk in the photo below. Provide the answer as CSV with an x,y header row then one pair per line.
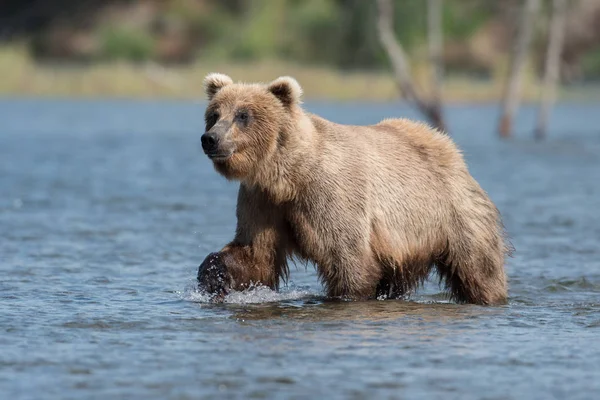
x,y
401,66
436,43
552,68
512,92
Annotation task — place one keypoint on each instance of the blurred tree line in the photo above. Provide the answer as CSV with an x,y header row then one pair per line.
x,y
337,33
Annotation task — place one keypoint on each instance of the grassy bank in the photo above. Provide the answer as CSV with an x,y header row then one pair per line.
x,y
21,76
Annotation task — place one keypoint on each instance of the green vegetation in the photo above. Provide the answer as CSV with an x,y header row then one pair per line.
x,y
336,33
121,43
591,64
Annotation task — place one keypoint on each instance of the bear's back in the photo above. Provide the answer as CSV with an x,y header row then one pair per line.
x,y
398,146
398,172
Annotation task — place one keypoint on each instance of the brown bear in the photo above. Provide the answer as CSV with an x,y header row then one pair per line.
x,y
375,208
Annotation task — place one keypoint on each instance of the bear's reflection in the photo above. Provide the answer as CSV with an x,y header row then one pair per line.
x,y
321,310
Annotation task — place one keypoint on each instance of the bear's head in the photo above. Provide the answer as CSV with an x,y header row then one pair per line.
x,y
245,122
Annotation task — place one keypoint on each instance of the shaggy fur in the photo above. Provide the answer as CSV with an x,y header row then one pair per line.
x,y
376,208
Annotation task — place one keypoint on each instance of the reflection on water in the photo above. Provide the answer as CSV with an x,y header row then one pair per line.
x,y
372,312
107,208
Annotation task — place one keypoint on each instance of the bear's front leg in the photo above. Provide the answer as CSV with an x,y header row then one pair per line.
x,y
214,277
239,267
257,255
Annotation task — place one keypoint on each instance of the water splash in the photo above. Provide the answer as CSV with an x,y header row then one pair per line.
x,y
254,294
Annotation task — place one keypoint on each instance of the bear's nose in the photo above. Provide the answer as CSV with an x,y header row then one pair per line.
x,y
209,142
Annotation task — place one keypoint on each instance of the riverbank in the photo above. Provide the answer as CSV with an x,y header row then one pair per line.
x,y
21,76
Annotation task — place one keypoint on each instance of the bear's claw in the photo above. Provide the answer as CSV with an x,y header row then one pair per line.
x,y
213,277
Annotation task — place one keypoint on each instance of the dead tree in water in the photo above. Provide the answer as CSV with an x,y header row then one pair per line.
x,y
431,108
512,91
556,37
436,47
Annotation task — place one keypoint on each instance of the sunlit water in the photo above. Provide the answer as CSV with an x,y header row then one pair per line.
x,y
107,208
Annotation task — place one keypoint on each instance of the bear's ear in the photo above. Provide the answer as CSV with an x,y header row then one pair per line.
x,y
215,82
286,89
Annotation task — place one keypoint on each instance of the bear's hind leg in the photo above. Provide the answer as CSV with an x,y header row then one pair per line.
x,y
476,278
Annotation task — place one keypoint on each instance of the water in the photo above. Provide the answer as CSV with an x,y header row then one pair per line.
x,y
107,208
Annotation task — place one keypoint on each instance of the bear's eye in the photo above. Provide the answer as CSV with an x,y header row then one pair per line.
x,y
242,116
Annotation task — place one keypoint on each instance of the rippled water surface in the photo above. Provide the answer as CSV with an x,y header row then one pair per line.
x,y
107,208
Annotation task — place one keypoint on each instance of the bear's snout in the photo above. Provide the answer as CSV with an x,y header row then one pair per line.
x,y
210,142
217,143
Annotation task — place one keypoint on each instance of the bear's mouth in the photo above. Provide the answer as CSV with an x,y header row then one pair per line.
x,y
219,157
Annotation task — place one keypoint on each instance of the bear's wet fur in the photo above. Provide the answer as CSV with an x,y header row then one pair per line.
x,y
376,208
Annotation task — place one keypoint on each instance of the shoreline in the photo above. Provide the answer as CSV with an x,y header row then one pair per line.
x,y
7,97
23,78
